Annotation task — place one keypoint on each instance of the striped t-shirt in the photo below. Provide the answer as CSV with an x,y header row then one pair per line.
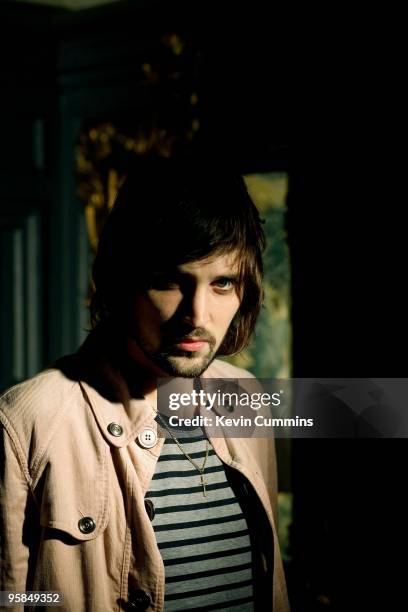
x,y
204,540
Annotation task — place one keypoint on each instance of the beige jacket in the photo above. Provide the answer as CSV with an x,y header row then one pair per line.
x,y
61,465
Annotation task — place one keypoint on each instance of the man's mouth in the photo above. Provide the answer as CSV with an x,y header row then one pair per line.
x,y
191,344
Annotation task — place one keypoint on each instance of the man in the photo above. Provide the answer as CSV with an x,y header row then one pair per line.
x,y
96,504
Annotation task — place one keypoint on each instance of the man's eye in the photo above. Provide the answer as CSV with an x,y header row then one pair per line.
x,y
225,284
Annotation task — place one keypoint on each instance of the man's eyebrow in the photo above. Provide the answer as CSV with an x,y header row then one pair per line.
x,y
179,275
230,276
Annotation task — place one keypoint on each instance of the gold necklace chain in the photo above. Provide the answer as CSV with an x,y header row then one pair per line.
x,y
199,469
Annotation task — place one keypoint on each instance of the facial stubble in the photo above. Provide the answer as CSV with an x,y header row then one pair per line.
x,y
168,358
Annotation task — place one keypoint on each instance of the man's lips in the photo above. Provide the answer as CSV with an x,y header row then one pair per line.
x,y
192,344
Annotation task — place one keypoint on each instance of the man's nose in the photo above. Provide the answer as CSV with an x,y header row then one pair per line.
x,y
196,307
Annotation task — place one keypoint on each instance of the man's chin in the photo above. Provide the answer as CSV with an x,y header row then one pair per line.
x,y
186,367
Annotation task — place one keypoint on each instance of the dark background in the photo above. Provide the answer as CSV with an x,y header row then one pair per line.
x,y
306,91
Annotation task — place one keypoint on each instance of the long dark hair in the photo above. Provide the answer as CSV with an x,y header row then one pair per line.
x,y
170,212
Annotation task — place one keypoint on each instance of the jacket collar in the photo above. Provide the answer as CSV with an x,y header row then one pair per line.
x,y
98,367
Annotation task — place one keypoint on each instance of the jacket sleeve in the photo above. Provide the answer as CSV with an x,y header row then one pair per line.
x,y
14,507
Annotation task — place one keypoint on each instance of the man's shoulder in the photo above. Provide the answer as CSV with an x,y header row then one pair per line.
x,y
40,398
222,369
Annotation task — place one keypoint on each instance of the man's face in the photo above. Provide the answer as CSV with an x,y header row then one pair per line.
x,y
181,320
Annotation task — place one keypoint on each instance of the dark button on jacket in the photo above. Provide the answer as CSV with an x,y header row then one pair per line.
x,y
138,600
115,429
86,524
